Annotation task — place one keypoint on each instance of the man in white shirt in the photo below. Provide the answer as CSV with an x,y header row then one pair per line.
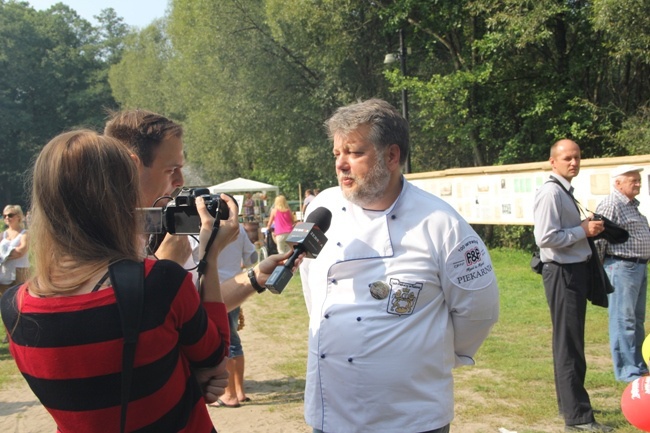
x,y
238,253
402,292
157,144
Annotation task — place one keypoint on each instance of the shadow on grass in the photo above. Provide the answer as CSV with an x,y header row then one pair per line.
x,y
276,391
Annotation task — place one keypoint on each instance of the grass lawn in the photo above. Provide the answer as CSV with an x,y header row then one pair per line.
x,y
512,384
514,371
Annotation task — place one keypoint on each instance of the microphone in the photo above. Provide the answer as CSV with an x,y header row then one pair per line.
x,y
307,237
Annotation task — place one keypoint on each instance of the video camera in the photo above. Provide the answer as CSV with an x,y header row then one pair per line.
x,y
180,216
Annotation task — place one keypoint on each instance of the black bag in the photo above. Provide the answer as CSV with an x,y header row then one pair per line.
x,y
536,263
600,284
613,233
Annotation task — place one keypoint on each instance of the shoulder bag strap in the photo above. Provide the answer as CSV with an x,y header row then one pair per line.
x,y
592,245
127,278
576,202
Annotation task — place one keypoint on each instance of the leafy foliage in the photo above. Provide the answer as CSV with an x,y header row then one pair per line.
x,y
488,81
54,67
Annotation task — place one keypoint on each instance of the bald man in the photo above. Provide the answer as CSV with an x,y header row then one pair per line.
x,y
562,235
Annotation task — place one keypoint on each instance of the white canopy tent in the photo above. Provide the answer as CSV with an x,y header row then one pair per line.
x,y
237,188
244,185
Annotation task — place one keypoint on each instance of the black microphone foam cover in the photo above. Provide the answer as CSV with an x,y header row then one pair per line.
x,y
320,217
308,238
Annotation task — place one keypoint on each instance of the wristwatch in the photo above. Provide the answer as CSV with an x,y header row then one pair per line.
x,y
254,283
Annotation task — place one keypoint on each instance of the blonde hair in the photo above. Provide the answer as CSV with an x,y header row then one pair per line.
x,y
280,203
14,208
84,196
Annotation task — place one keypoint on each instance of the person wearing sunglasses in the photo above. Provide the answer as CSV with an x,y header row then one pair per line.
x,y
14,259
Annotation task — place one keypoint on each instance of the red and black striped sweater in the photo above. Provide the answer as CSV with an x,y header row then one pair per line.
x,y
69,349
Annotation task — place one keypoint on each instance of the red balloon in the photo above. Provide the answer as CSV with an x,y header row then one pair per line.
x,y
635,403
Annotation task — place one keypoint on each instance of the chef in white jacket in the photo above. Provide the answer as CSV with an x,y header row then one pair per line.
x,y
402,292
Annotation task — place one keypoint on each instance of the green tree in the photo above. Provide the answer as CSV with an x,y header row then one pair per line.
x,y
111,32
504,78
52,80
625,26
252,81
489,81
246,106
141,78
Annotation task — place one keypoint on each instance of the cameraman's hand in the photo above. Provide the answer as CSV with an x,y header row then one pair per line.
x,y
209,287
266,267
228,229
176,248
213,381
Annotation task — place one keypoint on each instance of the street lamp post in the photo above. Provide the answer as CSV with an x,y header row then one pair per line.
x,y
390,58
405,96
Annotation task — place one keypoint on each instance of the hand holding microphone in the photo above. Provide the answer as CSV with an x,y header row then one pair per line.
x,y
307,237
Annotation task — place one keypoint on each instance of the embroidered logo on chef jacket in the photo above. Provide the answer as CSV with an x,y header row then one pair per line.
x,y
468,264
403,297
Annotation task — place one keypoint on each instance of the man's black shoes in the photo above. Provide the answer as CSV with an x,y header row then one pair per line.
x,y
590,426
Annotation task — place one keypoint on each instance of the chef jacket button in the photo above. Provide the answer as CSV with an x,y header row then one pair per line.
x,y
322,356
358,319
338,244
349,359
393,217
333,281
327,316
343,209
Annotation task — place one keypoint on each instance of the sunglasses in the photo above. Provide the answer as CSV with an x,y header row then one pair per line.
x,y
9,215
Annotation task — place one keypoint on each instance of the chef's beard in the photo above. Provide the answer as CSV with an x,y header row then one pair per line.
x,y
371,188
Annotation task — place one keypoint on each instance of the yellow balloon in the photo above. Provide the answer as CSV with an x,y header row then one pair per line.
x,y
645,349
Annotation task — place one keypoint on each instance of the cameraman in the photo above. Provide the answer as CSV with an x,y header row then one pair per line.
x,y
157,145
69,304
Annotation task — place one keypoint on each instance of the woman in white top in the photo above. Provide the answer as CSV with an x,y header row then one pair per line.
x,y
14,259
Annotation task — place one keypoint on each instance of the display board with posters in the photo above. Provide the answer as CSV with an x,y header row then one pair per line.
x,y
504,194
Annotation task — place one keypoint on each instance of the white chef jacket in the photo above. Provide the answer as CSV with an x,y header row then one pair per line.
x,y
384,365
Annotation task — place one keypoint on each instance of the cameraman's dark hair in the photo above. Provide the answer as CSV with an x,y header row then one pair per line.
x,y
84,197
387,126
142,130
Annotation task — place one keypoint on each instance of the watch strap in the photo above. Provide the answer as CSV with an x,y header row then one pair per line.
x,y
253,280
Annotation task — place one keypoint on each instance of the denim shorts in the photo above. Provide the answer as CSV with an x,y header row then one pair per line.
x,y
236,348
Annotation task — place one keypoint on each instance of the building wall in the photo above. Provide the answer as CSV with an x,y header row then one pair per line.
x,y
504,194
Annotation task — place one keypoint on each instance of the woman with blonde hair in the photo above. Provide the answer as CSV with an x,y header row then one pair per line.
x,y
65,325
281,221
14,246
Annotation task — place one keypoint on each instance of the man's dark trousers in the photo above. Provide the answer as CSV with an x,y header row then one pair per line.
x,y
566,289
